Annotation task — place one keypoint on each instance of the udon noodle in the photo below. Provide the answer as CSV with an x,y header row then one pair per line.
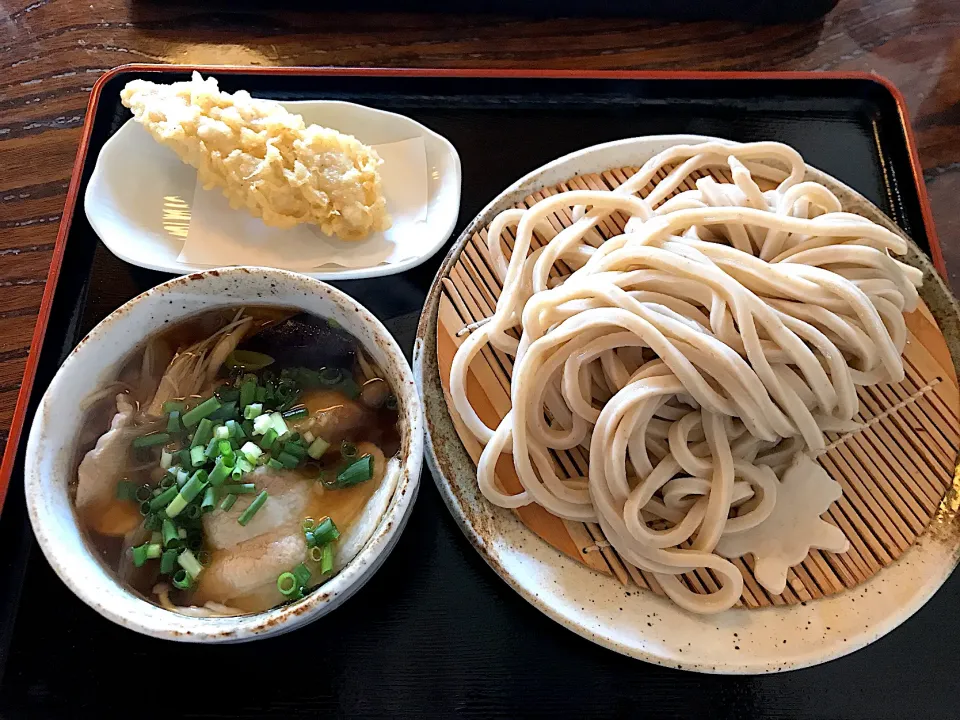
x,y
725,330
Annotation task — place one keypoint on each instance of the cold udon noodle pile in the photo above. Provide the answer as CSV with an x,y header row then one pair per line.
x,y
695,354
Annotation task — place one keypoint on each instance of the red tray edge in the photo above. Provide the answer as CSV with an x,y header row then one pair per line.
x,y
39,332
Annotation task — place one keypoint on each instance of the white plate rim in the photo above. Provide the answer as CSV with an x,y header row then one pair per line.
x,y
511,549
120,249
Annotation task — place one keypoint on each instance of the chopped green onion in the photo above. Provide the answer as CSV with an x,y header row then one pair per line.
x,y
317,448
269,437
225,412
210,451
182,579
287,583
185,460
171,538
168,561
357,472
224,447
296,413
234,428
151,440
173,422
126,490
289,461
203,433
153,551
331,376
252,509
308,438
209,500
187,493
251,452
240,489
277,423
248,393
173,406
192,511
219,473
188,561
182,476
221,432
139,555
228,502
203,557
316,553
163,499
195,542
204,409
247,360
348,450
245,465
152,521
168,480
308,524
326,559
261,394
302,573
275,464
182,533
295,449
197,456
226,393
253,411
261,424
326,531
144,493
166,459
391,403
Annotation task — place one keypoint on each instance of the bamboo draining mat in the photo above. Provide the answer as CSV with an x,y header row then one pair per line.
x,y
894,473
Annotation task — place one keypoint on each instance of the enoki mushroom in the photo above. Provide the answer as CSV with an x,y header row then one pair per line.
x,y
694,355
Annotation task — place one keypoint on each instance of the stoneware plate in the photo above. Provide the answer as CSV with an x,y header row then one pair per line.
x,y
637,622
51,448
128,203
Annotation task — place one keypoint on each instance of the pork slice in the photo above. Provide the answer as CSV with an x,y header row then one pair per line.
x,y
288,495
251,566
100,471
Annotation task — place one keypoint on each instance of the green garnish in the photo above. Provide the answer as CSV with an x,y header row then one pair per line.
x,y
151,440
247,515
287,583
204,409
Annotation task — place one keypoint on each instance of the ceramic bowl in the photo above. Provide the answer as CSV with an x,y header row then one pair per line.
x,y
52,448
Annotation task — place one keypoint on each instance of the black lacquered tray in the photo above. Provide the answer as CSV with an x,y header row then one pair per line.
x,y
435,632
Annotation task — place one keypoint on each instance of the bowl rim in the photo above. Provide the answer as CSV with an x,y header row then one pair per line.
x,y
284,617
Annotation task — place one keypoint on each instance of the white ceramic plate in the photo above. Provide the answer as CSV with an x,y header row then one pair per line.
x,y
637,622
135,178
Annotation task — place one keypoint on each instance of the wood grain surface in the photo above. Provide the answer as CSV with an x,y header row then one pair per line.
x,y
52,51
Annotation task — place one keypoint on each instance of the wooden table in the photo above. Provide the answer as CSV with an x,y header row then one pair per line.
x,y
52,51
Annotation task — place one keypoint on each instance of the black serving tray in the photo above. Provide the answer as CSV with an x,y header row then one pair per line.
x,y
435,632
